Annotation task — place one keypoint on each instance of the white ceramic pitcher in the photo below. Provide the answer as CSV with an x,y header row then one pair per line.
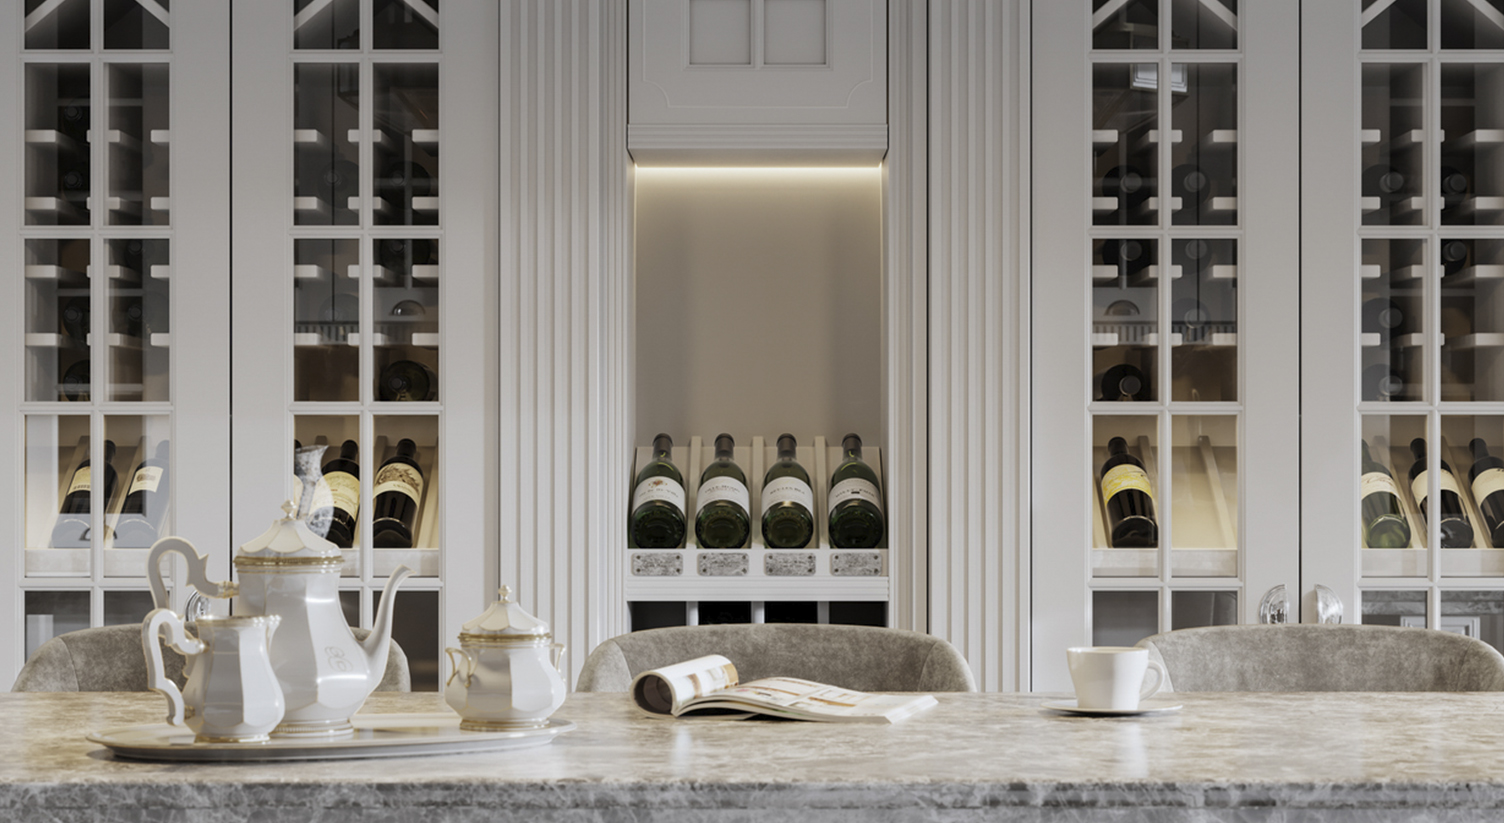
x,y
232,694
506,672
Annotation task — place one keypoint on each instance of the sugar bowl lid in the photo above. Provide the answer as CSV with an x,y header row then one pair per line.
x,y
288,541
504,620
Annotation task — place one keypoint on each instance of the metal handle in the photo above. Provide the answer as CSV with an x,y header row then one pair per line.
x,y
1275,606
1328,605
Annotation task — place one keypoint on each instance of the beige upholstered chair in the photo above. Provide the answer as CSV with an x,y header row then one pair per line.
x,y
109,659
1325,658
856,657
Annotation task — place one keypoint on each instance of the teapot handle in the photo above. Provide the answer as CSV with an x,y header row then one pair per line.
x,y
556,652
156,672
198,571
454,666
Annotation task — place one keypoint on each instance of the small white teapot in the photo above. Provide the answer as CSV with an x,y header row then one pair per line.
x,y
232,694
506,672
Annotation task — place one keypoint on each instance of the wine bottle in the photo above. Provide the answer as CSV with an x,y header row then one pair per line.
x,y
723,518
788,501
1384,524
1126,382
1130,256
1487,479
128,317
407,380
1127,184
394,504
1383,317
1191,185
1456,532
1383,182
338,182
657,520
73,120
75,316
321,505
1380,382
145,503
72,527
1188,316
74,177
1454,187
410,178
856,514
343,476
401,255
1130,503
1454,256
75,383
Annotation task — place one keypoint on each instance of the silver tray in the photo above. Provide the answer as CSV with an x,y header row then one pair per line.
x,y
376,735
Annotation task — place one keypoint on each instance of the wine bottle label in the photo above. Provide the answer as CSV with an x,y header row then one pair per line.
x,y
1122,478
1377,483
401,478
785,489
1486,483
717,489
146,480
80,481
658,488
344,491
1418,486
853,488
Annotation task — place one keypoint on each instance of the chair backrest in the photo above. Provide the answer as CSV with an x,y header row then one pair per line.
x,y
1324,658
865,658
109,659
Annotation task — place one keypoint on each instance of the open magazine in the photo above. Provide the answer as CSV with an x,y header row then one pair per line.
x,y
707,687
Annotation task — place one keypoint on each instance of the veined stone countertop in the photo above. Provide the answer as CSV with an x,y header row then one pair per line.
x,y
1245,757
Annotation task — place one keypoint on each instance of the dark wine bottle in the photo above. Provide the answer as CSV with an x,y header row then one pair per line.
x,y
1380,382
1128,185
338,182
1384,524
394,500
1385,318
75,383
788,501
1126,382
856,513
128,317
1454,187
145,503
75,316
1384,182
1456,531
343,476
401,255
409,178
1191,185
657,520
407,380
73,121
1130,256
1487,479
723,518
72,527
74,177
1129,501
1454,256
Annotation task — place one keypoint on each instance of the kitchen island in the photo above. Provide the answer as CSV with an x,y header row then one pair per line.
x,y
1245,757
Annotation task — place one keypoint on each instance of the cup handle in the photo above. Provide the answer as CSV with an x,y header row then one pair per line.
x,y
156,672
1159,680
454,665
556,651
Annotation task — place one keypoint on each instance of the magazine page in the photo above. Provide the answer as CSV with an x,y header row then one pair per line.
x,y
798,699
664,691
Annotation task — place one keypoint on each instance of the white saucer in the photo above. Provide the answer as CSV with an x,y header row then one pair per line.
x,y
1162,704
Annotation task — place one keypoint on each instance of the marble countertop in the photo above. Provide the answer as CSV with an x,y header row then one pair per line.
x,y
973,757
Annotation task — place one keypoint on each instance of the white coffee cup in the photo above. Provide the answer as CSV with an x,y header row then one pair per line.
x,y
1112,677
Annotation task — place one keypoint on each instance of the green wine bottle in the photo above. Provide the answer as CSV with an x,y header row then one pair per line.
x,y
1384,524
658,520
722,515
856,515
788,502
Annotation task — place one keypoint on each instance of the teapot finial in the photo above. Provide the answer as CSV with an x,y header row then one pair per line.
x,y
288,508
506,594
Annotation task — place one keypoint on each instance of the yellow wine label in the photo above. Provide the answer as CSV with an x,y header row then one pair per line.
x,y
1419,485
658,488
1377,483
1486,483
344,491
147,479
1122,478
723,488
80,480
401,478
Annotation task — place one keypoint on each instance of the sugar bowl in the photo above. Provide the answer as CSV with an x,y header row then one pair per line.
x,y
506,671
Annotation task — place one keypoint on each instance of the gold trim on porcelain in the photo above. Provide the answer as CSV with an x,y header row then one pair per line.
x,y
308,563
252,738
507,640
501,725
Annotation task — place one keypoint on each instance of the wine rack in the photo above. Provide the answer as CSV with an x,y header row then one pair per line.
x,y
755,572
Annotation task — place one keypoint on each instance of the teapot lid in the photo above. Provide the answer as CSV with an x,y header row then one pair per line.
x,y
505,618
288,539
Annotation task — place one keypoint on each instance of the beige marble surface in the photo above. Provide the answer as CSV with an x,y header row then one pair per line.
x,y
1281,757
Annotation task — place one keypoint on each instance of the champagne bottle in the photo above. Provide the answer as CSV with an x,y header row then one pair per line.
x,y
343,476
1380,382
72,527
145,503
723,517
1384,524
856,514
407,380
75,316
1487,479
657,520
75,383
399,488
1454,256
1383,317
1130,503
1456,532
1130,256
788,501
1126,382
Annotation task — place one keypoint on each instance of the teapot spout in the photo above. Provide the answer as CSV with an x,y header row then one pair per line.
x,y
379,642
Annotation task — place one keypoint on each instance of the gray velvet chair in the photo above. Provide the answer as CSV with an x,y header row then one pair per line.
x,y
109,659
865,658
1325,658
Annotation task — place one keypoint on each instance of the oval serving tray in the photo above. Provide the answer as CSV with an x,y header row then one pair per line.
x,y
376,735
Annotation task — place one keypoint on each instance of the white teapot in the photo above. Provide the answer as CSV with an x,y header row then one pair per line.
x,y
506,671
231,695
325,673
